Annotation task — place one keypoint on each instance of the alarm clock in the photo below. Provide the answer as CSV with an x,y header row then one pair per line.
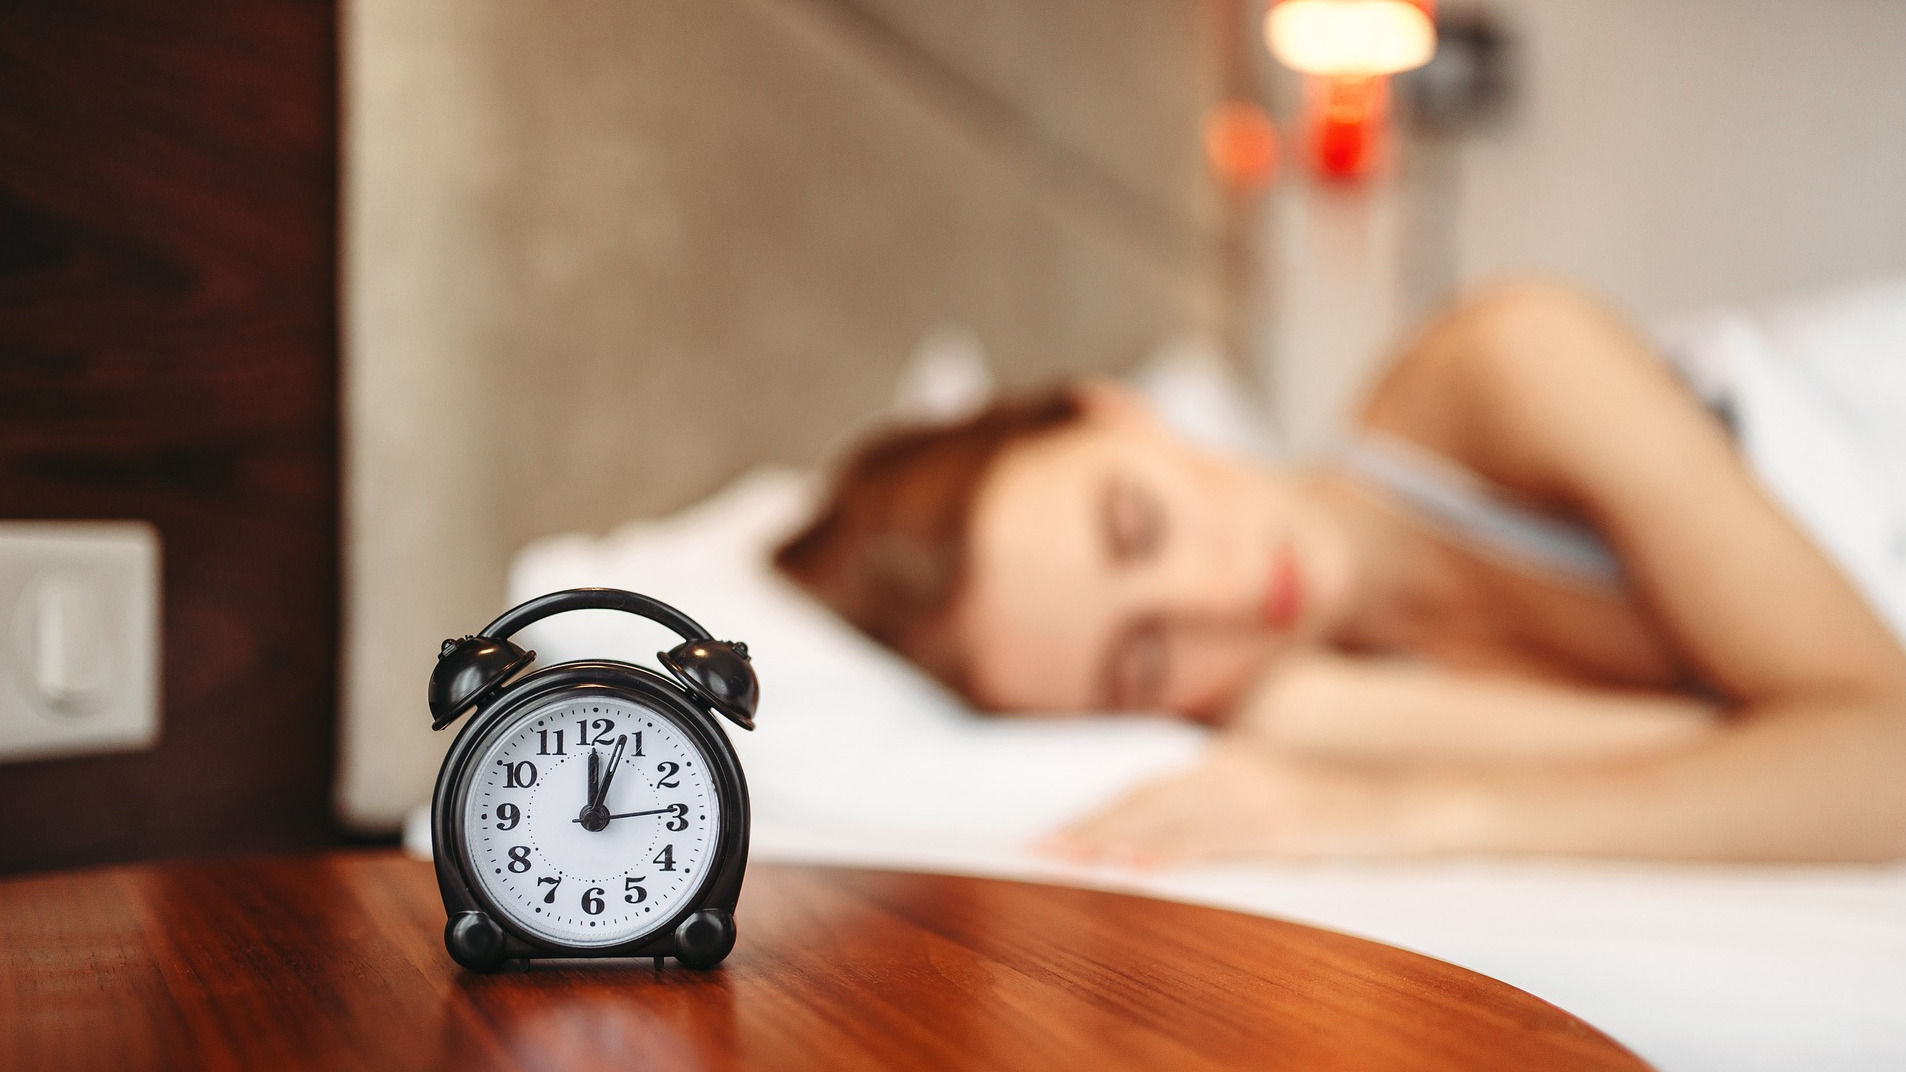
x,y
594,808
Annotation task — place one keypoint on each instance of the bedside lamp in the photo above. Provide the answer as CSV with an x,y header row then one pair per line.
x,y
1349,49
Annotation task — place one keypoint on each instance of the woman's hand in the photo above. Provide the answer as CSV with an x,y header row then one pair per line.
x,y
1240,802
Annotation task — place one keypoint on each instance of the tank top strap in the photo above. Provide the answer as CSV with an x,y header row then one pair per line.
x,y
1476,511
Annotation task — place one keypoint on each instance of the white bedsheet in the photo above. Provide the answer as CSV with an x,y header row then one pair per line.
x,y
861,760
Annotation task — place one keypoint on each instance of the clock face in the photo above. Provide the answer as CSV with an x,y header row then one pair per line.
x,y
578,870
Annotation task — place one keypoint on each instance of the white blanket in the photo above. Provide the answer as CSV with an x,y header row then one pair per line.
x,y
859,759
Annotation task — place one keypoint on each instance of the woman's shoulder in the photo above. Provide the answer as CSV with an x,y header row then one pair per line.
x,y
1484,382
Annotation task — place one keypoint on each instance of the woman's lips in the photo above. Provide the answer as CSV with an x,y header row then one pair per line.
x,y
1284,593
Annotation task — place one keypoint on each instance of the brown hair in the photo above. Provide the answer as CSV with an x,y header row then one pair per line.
x,y
888,549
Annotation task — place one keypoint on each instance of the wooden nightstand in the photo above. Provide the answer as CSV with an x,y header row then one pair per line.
x,y
337,961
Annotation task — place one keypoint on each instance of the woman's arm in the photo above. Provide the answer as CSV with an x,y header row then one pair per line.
x,y
1337,755
1545,392
1817,778
1814,783
1530,766
1393,710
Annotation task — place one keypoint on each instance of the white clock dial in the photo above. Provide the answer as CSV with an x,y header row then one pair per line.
x,y
533,849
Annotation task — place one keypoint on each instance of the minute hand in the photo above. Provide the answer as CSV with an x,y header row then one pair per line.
x,y
615,761
633,814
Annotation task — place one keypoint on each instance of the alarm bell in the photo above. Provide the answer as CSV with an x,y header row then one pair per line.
x,y
718,674
466,670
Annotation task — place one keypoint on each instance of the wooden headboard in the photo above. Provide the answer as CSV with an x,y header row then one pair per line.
x,y
168,354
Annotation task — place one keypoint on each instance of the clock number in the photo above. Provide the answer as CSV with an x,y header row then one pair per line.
x,y
508,815
517,775
544,749
604,728
592,900
669,770
632,890
666,858
519,854
678,816
550,897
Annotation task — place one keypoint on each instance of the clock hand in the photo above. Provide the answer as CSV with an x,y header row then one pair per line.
x,y
632,814
593,815
615,761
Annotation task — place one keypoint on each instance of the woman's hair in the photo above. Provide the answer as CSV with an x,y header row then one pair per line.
x,y
888,549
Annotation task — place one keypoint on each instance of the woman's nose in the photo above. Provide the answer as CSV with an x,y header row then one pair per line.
x,y
1211,587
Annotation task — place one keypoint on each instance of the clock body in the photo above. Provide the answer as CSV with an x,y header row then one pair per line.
x,y
533,863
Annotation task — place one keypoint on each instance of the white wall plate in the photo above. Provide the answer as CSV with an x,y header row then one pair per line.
x,y
79,637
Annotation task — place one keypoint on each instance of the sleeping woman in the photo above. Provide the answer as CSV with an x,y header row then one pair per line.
x,y
1540,606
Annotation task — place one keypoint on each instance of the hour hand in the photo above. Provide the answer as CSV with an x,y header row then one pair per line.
x,y
615,760
593,815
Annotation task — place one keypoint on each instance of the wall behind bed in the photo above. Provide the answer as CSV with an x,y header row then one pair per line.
x,y
600,257
1669,156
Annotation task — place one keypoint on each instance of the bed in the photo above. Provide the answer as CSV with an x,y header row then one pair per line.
x,y
861,760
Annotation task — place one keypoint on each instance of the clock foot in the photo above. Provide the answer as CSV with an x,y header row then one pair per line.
x,y
705,938
474,941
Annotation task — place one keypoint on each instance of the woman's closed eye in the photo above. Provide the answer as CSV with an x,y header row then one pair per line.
x,y
1134,520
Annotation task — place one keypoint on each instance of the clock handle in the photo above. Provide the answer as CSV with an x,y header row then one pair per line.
x,y
541,607
716,672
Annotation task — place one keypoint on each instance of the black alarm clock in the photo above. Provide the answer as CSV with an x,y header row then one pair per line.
x,y
590,809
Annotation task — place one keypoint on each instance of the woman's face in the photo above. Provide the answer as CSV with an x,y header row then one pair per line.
x,y
1114,566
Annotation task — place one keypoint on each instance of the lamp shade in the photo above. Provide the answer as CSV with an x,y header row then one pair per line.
x,y
1350,38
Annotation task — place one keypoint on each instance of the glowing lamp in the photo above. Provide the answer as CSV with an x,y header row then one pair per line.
x,y
1349,48
1346,124
1350,38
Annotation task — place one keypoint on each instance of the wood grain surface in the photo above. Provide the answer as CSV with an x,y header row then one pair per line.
x,y
168,352
337,961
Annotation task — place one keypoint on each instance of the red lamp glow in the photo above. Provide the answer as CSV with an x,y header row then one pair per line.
x,y
1240,142
1349,48
1347,123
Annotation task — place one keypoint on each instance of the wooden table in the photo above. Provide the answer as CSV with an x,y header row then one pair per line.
x,y
337,961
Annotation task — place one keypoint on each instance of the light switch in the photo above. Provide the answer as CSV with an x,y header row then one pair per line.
x,y
79,637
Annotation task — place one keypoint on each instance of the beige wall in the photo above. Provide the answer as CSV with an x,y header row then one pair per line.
x,y
1680,154
602,256
1669,155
